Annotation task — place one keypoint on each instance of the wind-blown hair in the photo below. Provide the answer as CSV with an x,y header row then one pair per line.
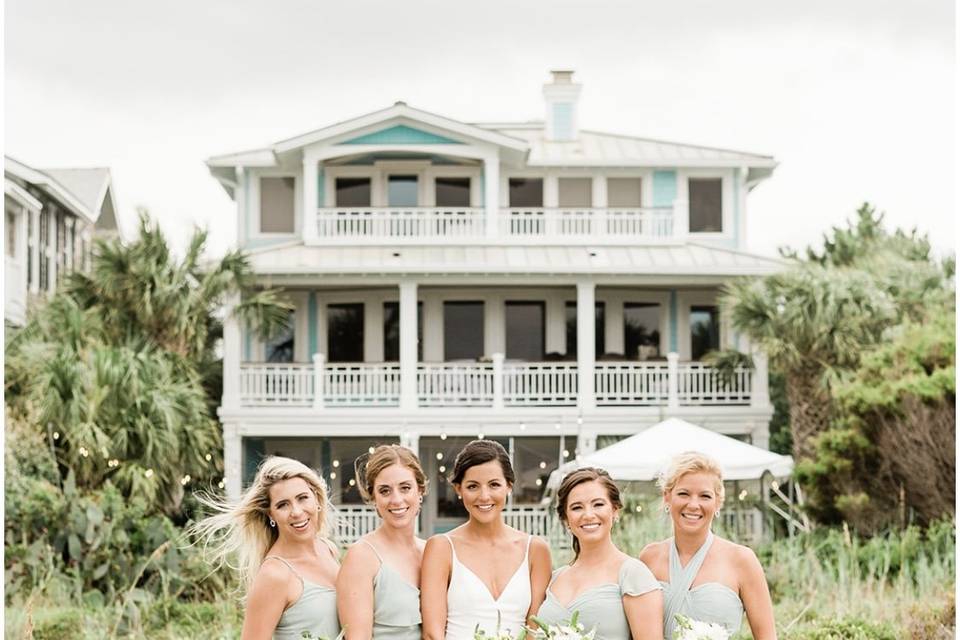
x,y
239,534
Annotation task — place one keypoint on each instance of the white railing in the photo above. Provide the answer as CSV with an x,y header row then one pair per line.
x,y
648,222
699,383
496,384
285,384
631,383
449,384
745,524
406,222
539,384
353,521
537,520
361,384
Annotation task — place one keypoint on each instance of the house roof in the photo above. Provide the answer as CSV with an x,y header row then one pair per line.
x,y
690,259
51,185
593,148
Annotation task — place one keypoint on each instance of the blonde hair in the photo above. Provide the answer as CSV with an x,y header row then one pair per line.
x,y
691,462
368,466
242,530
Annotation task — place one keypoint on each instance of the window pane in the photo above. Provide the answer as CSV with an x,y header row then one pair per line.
x,y
705,205
526,192
402,191
280,347
11,230
353,192
599,327
534,458
345,332
704,331
462,330
641,330
525,330
575,192
623,192
391,331
452,192
276,205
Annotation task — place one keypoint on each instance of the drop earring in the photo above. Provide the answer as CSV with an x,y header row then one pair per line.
x,y
272,523
666,508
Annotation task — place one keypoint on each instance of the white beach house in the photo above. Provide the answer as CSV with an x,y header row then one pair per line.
x,y
549,287
51,218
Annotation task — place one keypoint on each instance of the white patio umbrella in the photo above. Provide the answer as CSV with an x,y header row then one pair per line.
x,y
640,458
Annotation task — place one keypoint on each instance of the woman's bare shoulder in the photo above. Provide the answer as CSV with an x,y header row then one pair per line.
x,y
654,551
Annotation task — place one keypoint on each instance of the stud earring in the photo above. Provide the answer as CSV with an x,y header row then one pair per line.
x,y
666,508
272,523
421,499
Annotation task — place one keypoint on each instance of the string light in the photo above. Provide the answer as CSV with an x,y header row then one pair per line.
x,y
480,436
743,495
333,475
443,435
185,479
148,473
775,485
352,482
371,450
566,453
543,465
84,452
56,435
539,482
639,508
443,469
208,457
220,484
336,463
439,455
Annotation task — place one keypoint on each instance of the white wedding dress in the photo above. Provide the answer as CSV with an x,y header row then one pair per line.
x,y
469,602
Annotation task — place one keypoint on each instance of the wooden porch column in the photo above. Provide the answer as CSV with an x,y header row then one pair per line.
x,y
586,349
408,345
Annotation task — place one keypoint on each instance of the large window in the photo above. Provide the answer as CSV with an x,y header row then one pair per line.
x,y
704,330
61,247
452,192
641,330
276,205
11,230
402,191
44,250
391,331
525,330
345,332
352,192
706,208
600,329
623,192
462,330
279,348
575,193
526,193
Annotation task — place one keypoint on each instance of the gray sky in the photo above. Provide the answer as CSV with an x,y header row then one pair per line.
x,y
855,99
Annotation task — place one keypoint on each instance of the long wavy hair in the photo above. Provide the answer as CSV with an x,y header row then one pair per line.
x,y
239,534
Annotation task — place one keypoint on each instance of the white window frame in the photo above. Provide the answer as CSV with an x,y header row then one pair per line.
x,y
726,199
254,205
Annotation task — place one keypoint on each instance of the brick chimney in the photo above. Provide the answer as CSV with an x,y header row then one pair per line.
x,y
561,96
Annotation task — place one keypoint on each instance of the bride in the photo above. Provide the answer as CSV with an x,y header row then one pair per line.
x,y
483,573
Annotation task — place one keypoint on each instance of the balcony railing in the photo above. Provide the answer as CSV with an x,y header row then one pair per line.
x,y
437,224
492,384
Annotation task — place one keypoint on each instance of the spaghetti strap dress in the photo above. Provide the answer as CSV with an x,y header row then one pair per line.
x,y
708,602
314,611
396,604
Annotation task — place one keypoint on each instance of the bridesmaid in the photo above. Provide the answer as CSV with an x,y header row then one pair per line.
x,y
286,562
483,573
704,576
378,591
613,593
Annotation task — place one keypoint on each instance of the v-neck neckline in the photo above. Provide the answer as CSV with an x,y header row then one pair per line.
x,y
516,571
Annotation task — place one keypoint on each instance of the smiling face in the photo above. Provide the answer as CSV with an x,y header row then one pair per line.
x,y
589,512
484,491
397,496
294,507
693,501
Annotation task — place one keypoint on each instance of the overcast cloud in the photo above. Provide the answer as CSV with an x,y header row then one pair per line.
x,y
855,99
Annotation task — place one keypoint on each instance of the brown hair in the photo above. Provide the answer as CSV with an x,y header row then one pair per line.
x,y
691,462
368,466
578,477
481,452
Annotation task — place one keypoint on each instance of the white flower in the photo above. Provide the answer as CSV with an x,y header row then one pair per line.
x,y
688,629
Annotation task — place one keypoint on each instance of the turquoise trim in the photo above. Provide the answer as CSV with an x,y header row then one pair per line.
x,y
369,158
312,324
401,134
664,188
673,320
247,345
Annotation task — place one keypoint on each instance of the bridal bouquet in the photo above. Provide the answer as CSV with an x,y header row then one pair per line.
x,y
567,630
688,629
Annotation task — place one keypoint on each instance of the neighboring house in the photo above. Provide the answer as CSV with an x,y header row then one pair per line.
x,y
52,216
549,287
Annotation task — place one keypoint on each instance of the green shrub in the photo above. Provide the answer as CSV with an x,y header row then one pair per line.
x,y
843,629
62,624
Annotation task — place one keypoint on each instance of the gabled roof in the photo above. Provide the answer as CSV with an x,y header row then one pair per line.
x,y
49,184
94,187
593,148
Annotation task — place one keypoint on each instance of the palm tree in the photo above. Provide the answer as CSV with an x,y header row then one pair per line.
x,y
120,369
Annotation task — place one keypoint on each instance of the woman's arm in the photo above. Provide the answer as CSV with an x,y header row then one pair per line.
x,y
645,615
434,580
541,568
268,597
355,592
755,595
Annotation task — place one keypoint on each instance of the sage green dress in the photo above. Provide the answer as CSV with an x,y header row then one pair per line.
x,y
314,611
708,602
396,604
601,607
